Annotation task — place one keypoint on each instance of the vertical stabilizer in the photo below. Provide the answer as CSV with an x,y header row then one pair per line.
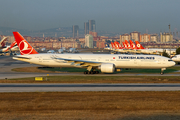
x,y
133,46
24,46
2,42
139,46
112,44
128,45
125,46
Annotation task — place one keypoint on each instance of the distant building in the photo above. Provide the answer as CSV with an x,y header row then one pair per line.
x,y
124,37
10,39
86,28
92,25
144,38
94,34
166,37
154,38
89,41
75,30
135,36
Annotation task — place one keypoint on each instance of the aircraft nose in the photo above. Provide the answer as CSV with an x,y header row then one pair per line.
x,y
173,59
173,63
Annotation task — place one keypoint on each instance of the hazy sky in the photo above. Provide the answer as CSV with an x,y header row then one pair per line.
x,y
122,16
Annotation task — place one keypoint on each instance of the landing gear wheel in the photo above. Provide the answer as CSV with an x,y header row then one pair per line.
x,y
89,72
162,73
85,72
97,72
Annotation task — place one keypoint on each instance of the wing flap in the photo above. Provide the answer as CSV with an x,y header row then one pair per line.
x,y
80,62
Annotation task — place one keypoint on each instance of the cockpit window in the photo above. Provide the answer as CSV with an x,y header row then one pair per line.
x,y
170,60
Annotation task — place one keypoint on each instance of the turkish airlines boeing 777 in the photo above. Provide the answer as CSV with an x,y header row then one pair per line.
x,y
107,63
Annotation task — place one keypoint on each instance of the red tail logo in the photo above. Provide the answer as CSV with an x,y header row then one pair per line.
x,y
128,45
116,45
125,46
24,46
132,44
112,44
139,46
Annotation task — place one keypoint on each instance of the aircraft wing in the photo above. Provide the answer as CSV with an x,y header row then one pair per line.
x,y
80,62
19,57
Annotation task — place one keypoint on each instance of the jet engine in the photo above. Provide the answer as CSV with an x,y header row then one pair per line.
x,y
107,68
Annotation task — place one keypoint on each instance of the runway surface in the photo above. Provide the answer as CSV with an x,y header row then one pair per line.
x,y
59,87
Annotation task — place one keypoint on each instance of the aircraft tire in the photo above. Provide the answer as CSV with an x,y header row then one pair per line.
x,y
89,72
162,73
94,72
97,72
85,72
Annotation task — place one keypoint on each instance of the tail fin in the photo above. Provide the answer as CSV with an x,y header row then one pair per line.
x,y
106,45
24,46
13,44
112,44
118,45
2,42
125,46
139,46
132,44
128,45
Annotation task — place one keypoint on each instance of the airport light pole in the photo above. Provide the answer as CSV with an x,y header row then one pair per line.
x,y
170,38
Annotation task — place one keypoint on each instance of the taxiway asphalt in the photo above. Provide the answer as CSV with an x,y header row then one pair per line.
x,y
60,87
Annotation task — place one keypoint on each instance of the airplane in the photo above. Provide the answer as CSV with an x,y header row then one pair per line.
x,y
128,45
50,51
62,50
153,50
106,63
176,58
133,46
72,50
2,42
125,45
107,47
12,48
117,47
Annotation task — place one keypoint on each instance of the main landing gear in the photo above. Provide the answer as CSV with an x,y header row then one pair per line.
x,y
91,72
162,71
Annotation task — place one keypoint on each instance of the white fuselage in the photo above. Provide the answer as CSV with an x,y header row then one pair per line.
x,y
119,60
157,51
15,48
176,58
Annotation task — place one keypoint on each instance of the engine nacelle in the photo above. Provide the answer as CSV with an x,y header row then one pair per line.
x,y
107,68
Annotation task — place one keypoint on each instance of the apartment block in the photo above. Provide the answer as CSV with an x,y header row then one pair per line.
x,y
124,37
89,41
144,38
166,37
135,36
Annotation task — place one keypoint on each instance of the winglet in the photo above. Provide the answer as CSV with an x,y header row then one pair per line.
x,y
24,46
